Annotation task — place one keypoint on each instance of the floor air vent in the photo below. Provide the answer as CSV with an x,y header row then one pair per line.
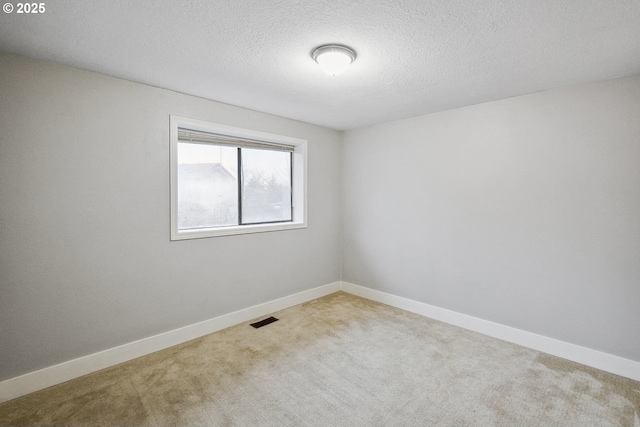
x,y
264,322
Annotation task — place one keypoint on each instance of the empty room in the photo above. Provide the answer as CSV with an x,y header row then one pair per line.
x,y
320,213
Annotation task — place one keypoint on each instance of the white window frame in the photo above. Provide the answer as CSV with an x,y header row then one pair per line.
x,y
299,179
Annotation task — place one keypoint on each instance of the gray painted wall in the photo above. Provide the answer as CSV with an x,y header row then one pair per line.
x,y
524,211
85,258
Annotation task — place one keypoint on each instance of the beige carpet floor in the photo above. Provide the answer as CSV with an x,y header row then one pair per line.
x,y
338,361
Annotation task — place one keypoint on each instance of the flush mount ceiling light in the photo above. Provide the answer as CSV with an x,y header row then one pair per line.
x,y
333,58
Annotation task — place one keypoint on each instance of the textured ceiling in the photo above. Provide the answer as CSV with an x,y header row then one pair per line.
x,y
414,57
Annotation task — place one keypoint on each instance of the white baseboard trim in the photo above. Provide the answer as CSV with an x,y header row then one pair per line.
x,y
52,375
586,356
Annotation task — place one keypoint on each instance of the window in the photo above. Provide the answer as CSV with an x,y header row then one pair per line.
x,y
227,180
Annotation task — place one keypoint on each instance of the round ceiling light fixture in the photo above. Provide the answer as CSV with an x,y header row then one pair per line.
x,y
333,58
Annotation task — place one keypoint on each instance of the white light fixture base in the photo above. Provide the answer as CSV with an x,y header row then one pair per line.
x,y
333,58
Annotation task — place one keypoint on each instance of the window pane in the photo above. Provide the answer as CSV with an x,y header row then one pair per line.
x,y
266,189
207,186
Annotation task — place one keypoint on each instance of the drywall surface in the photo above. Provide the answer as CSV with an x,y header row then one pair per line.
x,y
413,56
85,258
524,211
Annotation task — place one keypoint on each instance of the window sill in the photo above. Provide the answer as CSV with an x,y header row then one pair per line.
x,y
200,233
